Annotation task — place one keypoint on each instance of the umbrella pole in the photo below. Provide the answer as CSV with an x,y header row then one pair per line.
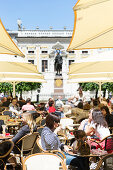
x,y
14,89
100,83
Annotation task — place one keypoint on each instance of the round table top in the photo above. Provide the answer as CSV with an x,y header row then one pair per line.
x,y
4,137
12,123
90,155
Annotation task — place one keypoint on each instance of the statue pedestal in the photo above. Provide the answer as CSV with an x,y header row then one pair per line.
x,y
58,87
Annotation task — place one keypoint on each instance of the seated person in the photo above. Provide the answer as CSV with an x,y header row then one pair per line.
x,y
50,140
59,111
95,103
51,107
29,119
107,115
67,110
85,124
59,101
14,107
70,102
28,106
6,102
79,113
80,138
98,126
47,104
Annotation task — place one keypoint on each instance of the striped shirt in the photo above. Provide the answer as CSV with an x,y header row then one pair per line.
x,y
50,140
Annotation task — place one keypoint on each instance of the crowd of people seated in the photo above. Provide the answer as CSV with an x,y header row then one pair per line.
x,y
95,118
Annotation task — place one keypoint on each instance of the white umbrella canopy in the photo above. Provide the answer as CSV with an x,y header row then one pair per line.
x,y
7,46
93,27
103,56
91,71
18,71
15,72
99,72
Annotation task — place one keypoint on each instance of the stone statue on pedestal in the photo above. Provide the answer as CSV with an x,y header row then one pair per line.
x,y
58,63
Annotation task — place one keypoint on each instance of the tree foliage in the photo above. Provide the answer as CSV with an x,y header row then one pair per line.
x,y
107,86
20,87
94,86
27,86
89,86
6,87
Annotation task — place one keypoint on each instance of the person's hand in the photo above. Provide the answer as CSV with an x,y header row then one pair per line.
x,y
88,137
66,149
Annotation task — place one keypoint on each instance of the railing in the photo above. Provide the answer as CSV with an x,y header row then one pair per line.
x,y
45,33
45,97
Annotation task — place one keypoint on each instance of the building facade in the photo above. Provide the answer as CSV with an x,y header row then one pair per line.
x,y
38,47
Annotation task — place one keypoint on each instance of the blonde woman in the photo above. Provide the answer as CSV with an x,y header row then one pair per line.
x,y
29,119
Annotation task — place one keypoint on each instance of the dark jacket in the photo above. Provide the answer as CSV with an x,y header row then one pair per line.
x,y
109,120
22,132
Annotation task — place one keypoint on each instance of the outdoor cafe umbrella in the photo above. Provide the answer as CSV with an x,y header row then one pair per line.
x,y
15,72
7,46
98,71
93,26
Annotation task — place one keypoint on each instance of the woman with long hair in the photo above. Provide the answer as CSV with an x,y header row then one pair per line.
x,y
107,115
99,124
29,127
29,119
85,125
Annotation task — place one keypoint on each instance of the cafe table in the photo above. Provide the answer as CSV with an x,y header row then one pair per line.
x,y
13,126
5,136
90,155
99,154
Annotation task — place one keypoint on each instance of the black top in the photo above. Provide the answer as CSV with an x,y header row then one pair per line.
x,y
22,132
109,120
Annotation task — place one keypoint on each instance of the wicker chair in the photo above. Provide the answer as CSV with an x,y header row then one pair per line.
x,y
105,163
5,149
108,143
39,130
27,144
43,161
59,153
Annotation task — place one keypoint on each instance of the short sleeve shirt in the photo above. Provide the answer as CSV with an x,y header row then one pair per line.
x,y
100,131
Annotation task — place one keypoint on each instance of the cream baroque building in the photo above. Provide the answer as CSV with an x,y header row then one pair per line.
x,y
37,45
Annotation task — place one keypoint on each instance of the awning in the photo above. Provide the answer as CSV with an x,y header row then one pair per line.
x,y
98,71
7,46
93,25
19,72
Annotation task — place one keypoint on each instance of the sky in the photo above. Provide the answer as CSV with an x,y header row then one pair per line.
x,y
41,13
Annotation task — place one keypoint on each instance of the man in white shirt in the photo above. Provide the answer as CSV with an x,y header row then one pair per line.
x,y
59,101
